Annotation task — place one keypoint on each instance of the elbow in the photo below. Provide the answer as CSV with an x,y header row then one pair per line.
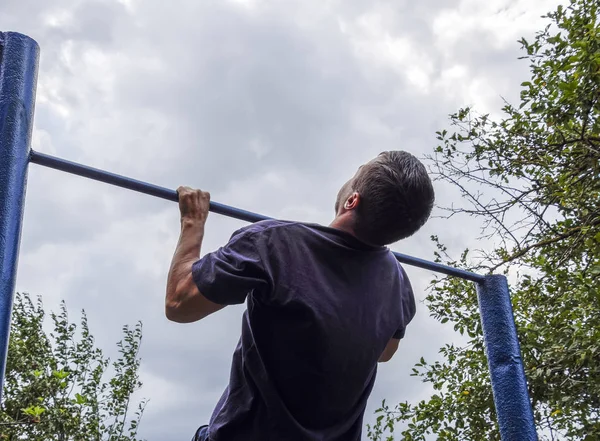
x,y
174,302
388,352
385,358
185,304
173,311
178,313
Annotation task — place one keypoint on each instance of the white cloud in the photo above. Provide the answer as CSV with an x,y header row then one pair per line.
x,y
500,22
380,45
270,106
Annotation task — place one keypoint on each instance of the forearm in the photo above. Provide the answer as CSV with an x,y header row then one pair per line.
x,y
186,253
184,302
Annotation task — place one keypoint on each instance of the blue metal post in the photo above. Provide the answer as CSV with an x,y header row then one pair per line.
x,y
18,76
509,385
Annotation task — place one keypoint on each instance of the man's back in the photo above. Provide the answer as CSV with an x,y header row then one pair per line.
x,y
321,308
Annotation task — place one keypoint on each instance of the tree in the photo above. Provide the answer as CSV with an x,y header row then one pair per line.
x,y
533,178
56,386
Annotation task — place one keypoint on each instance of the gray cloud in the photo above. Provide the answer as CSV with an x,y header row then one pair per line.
x,y
271,107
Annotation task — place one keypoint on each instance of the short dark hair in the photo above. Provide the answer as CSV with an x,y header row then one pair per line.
x,y
396,198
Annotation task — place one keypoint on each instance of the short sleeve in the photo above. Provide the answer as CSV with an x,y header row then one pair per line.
x,y
409,308
228,275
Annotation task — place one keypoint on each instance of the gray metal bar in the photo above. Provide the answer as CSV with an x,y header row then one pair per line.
x,y
226,210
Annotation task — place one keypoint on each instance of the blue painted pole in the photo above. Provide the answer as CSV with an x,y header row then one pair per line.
x,y
509,385
18,77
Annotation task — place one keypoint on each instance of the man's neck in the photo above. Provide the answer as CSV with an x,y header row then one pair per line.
x,y
344,224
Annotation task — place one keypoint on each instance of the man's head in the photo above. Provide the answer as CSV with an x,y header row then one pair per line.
x,y
388,199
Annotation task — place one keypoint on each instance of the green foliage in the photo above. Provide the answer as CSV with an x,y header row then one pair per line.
x,y
533,178
55,387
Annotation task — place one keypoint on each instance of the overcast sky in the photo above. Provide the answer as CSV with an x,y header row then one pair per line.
x,y
270,106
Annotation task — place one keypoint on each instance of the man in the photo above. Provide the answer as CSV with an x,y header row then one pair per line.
x,y
324,304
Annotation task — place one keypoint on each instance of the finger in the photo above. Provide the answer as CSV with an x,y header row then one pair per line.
x,y
199,193
183,190
204,200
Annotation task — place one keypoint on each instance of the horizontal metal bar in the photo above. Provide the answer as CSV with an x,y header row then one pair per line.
x,y
135,185
439,268
215,207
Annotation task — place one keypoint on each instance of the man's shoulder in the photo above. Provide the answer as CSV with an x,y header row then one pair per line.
x,y
268,227
272,225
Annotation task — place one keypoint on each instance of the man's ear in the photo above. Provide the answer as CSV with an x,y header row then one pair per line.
x,y
352,201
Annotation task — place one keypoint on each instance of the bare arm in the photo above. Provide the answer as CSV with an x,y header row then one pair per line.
x,y
389,350
184,303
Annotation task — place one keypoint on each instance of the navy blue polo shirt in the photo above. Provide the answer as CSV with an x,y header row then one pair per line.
x,y
321,307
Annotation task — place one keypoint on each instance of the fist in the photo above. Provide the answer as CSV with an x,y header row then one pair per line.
x,y
193,204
